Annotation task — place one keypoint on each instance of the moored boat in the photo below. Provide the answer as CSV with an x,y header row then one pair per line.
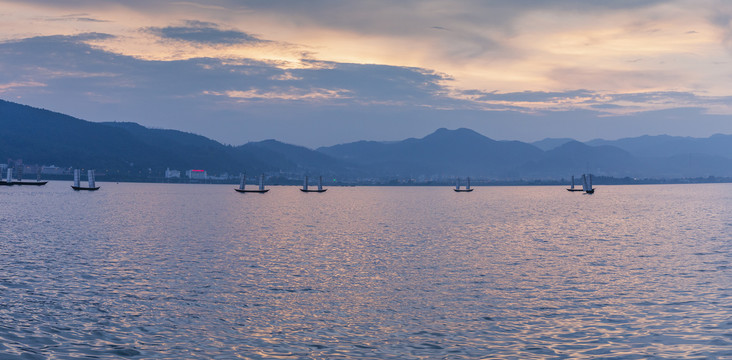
x,y
77,181
318,190
9,180
466,189
242,185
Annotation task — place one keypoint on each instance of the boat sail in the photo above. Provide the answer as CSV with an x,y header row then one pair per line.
x,y
243,184
90,178
466,189
8,178
587,184
318,190
571,188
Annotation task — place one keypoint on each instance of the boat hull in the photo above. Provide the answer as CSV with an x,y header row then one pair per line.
x,y
252,191
462,190
78,188
36,183
317,191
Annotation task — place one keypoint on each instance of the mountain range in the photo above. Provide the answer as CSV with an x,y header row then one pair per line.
x,y
126,150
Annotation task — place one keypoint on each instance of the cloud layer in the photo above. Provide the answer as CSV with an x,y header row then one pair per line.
x,y
203,33
240,71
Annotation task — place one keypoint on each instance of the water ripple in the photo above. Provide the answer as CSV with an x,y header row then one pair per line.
x,y
197,271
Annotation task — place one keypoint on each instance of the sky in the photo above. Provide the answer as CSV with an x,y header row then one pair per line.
x,y
323,72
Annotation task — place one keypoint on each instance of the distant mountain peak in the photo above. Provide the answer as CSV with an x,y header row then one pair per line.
x,y
551,143
457,133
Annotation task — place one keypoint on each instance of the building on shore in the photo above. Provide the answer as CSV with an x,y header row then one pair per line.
x,y
194,174
170,174
52,170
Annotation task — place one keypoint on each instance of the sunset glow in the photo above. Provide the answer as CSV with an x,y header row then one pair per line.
x,y
612,53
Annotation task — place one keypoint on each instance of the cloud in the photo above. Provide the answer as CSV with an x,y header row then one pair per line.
x,y
534,96
613,79
409,16
15,85
607,103
366,64
286,76
204,33
287,94
489,45
75,17
606,107
724,21
68,64
89,82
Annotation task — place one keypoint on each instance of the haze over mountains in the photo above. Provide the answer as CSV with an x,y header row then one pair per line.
x,y
131,151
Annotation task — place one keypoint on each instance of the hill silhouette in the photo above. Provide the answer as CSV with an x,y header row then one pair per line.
x,y
126,150
461,152
667,146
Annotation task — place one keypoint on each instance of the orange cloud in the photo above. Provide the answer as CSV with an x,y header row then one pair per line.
x,y
283,94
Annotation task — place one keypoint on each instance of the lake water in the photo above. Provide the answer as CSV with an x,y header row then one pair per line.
x,y
171,271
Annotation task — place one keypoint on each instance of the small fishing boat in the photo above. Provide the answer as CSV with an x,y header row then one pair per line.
x,y
9,180
571,188
38,181
318,190
77,181
243,184
466,189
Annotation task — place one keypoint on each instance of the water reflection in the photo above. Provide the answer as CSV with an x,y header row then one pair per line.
x,y
199,271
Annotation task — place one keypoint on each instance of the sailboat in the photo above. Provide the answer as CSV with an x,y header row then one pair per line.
x,y
243,184
458,189
571,188
319,189
9,180
77,179
38,181
587,184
